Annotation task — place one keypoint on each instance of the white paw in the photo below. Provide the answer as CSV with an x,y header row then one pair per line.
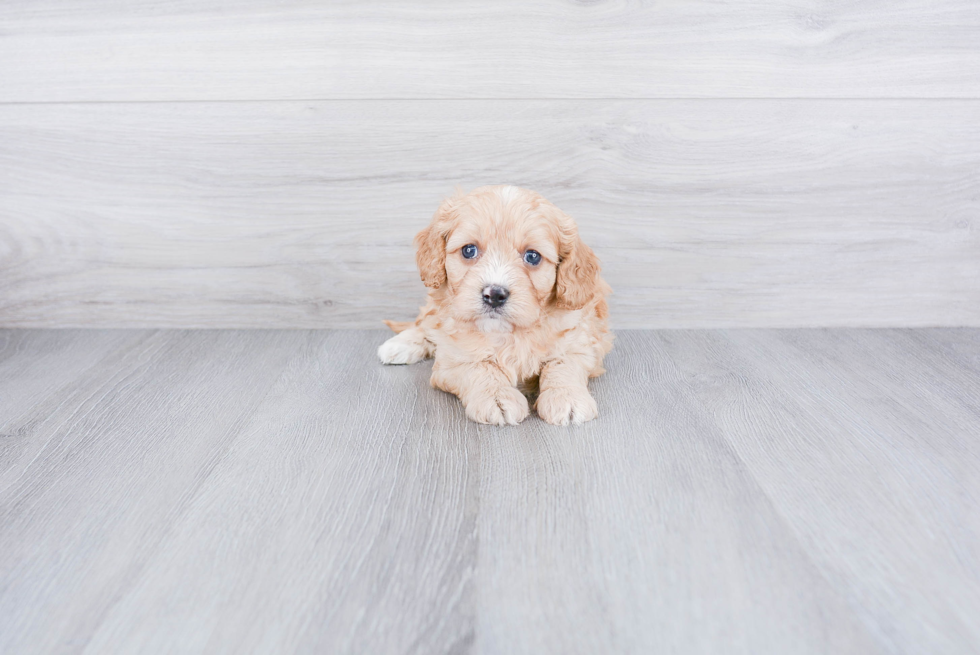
x,y
507,407
564,405
399,350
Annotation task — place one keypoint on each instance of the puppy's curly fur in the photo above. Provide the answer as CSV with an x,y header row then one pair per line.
x,y
550,333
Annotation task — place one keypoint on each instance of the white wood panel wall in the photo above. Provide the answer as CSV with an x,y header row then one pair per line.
x,y
101,50
265,164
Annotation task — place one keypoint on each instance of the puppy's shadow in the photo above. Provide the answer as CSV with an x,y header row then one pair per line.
x,y
530,389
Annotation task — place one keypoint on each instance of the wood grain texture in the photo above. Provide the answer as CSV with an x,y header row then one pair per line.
x,y
153,418
27,394
743,491
92,50
643,532
361,524
705,213
846,423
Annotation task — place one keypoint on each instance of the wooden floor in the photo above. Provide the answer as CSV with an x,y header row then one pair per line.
x,y
280,491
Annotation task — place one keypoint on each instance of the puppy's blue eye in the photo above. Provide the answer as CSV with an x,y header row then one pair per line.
x,y
532,257
469,251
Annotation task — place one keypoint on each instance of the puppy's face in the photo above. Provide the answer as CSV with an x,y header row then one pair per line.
x,y
504,255
501,264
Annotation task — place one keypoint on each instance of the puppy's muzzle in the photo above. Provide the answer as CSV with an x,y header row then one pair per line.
x,y
494,296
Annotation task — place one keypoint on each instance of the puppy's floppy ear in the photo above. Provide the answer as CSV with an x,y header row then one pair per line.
x,y
431,245
578,267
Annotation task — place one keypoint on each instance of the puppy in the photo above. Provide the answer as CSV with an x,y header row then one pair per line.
x,y
515,300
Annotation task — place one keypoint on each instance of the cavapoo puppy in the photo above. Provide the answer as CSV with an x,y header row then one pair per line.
x,y
515,302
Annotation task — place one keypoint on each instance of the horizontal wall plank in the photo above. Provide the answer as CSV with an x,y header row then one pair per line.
x,y
94,50
301,214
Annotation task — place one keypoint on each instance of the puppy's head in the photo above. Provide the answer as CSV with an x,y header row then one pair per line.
x,y
504,255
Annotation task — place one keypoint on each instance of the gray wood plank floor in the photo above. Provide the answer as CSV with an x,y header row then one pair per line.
x,y
743,491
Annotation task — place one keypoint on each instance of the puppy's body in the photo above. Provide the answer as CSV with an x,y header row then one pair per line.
x,y
515,300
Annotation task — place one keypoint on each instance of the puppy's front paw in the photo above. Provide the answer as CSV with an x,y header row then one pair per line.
x,y
399,350
507,406
564,405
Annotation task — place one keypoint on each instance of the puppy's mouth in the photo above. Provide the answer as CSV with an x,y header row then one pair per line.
x,y
494,313
493,319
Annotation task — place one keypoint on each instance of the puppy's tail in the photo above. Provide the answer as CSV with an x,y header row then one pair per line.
x,y
399,326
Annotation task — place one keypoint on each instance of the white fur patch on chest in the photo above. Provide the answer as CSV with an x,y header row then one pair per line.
x,y
493,325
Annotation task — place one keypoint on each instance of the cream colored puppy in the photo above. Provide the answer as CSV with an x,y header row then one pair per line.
x,y
515,302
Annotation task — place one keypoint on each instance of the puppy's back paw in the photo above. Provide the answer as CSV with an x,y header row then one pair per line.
x,y
564,405
399,350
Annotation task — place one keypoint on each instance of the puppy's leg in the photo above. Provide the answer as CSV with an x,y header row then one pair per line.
x,y
406,347
564,396
486,393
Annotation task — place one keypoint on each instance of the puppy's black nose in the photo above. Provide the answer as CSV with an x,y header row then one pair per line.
x,y
495,296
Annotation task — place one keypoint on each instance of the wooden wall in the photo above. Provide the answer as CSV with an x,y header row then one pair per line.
x,y
265,164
